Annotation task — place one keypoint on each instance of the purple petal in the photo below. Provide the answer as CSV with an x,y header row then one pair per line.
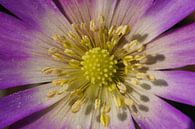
x,y
60,117
129,11
78,11
162,16
19,105
176,49
40,14
174,85
105,8
157,114
22,53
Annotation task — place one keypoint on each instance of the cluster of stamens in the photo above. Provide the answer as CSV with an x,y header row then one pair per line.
x,y
97,59
98,66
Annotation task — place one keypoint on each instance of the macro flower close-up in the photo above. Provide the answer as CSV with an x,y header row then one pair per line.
x,y
96,64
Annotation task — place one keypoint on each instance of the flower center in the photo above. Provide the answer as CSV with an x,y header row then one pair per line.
x,y
98,66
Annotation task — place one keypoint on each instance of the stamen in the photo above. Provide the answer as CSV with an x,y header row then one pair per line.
x,y
128,101
51,94
97,103
104,119
76,106
106,109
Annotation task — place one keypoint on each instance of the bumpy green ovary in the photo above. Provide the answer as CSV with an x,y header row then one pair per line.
x,y
98,66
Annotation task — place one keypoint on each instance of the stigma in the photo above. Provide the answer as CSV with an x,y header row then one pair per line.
x,y
98,61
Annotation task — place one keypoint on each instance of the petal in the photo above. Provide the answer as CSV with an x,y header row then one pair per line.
x,y
23,53
78,11
19,105
40,14
129,11
172,50
120,118
173,85
105,8
59,117
162,16
156,113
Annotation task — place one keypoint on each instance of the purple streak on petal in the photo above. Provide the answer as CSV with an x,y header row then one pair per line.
x,y
177,86
161,16
19,105
177,47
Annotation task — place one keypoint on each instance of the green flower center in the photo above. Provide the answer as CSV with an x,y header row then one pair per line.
x,y
98,66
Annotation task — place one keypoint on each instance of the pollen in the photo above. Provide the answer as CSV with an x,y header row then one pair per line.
x,y
99,66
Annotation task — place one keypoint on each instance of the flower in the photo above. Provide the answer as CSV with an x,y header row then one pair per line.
x,y
96,63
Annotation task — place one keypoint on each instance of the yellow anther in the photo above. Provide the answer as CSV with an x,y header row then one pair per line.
x,y
59,82
151,77
74,63
85,41
92,25
125,62
132,46
76,106
51,93
62,40
140,57
56,37
111,30
134,81
118,101
138,65
97,103
60,91
73,36
106,109
58,56
122,30
122,87
140,75
128,101
52,50
128,58
69,52
104,119
47,70
76,93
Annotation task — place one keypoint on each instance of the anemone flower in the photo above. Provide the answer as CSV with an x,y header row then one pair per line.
x,y
97,64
